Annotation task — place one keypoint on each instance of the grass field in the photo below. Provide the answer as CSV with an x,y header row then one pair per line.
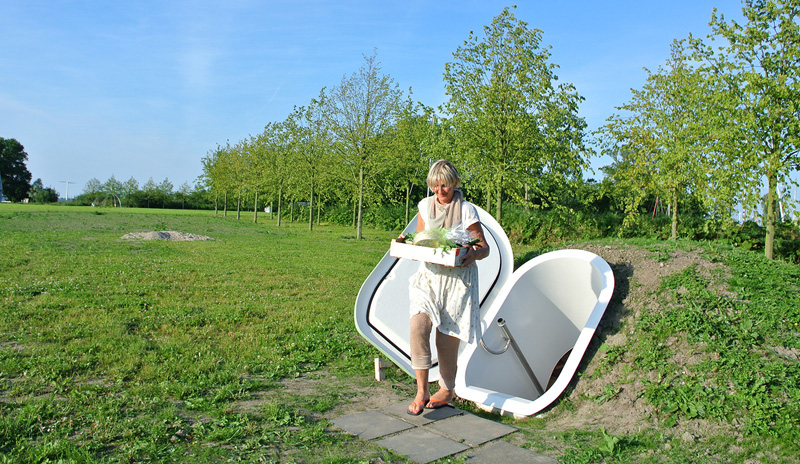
x,y
128,350
117,350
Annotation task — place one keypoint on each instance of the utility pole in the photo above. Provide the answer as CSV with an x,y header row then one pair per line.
x,y
67,182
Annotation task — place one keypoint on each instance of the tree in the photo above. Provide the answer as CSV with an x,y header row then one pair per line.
x,y
412,148
663,137
14,174
150,190
356,112
113,186
219,173
517,130
254,159
310,143
278,163
41,194
129,190
165,191
93,186
234,161
759,65
213,175
184,191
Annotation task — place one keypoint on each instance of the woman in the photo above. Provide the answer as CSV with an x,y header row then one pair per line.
x,y
441,296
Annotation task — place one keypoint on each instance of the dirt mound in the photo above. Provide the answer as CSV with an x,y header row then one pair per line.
x,y
166,235
614,399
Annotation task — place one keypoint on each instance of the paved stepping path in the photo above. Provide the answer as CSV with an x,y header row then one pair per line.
x,y
438,433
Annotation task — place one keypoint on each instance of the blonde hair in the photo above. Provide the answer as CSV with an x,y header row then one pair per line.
x,y
445,172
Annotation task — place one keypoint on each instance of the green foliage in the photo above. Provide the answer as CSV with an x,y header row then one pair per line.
x,y
610,442
516,129
14,175
599,446
390,217
357,112
41,194
541,228
660,142
754,66
412,142
151,195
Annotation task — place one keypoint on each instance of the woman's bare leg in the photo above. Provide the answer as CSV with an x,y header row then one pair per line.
x,y
421,327
447,352
423,394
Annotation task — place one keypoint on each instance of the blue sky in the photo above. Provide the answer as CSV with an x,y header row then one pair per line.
x,y
146,88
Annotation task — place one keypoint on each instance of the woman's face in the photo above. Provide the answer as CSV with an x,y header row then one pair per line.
x,y
444,193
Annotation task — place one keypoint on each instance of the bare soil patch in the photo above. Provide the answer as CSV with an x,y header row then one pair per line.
x,y
166,235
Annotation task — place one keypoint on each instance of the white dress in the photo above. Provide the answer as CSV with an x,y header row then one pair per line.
x,y
448,295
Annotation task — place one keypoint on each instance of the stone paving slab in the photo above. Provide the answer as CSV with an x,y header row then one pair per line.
x,y
471,429
437,433
371,424
502,451
421,445
430,415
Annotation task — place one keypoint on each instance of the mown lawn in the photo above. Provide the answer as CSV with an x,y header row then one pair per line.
x,y
131,350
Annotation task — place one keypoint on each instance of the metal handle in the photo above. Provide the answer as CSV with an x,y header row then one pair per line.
x,y
513,343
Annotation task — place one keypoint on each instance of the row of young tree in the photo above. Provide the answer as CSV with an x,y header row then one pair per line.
x,y
709,129
514,133
718,123
163,194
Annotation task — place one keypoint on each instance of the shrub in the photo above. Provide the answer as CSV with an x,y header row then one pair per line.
x,y
547,227
387,217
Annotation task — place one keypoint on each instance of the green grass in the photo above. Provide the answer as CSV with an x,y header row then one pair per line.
x,y
750,340
118,350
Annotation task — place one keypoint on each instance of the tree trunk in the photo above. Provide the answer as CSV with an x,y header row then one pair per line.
x,y
215,205
527,197
280,195
674,234
255,210
311,207
408,201
498,211
239,206
769,240
353,220
291,211
360,202
225,206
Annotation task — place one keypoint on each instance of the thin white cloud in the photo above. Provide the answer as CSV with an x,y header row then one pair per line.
x,y
14,109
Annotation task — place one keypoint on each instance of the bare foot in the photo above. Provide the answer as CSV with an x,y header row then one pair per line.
x,y
441,398
418,405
